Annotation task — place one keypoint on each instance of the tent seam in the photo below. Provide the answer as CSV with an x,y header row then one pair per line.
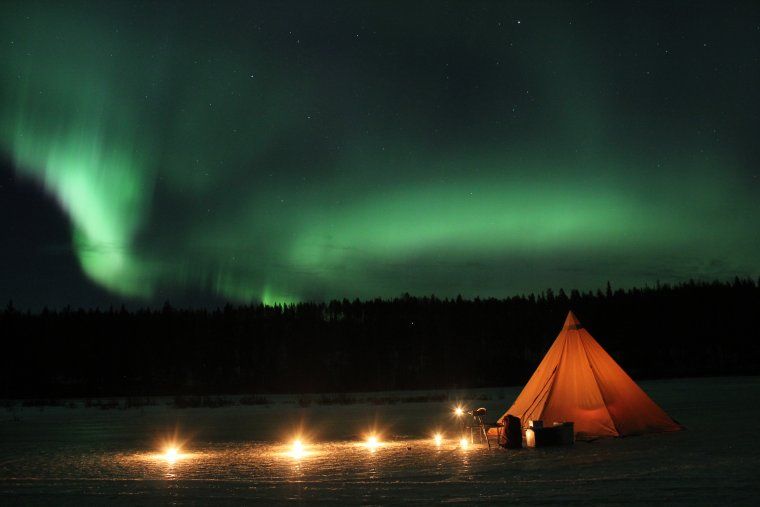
x,y
554,372
601,393
542,393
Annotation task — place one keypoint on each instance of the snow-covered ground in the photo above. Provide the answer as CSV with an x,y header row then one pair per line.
x,y
63,456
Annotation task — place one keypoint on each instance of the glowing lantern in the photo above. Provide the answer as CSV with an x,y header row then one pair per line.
x,y
297,449
464,443
171,454
373,442
438,438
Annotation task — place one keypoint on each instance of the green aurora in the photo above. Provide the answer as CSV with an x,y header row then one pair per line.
x,y
284,152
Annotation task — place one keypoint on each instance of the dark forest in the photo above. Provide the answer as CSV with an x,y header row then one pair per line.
x,y
691,329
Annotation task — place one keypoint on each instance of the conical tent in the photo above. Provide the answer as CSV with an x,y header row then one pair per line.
x,y
578,381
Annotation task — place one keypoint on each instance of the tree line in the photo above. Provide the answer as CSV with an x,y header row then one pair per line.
x,y
689,329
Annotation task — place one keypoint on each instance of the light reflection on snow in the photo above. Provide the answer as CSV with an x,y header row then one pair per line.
x,y
326,468
69,456
277,462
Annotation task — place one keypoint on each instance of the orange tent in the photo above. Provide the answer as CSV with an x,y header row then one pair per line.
x,y
578,381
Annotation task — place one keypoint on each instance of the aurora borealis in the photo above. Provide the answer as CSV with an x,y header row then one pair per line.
x,y
310,150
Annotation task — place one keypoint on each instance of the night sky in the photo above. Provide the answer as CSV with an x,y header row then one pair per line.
x,y
283,152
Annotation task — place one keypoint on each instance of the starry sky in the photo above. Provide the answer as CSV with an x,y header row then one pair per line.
x,y
202,152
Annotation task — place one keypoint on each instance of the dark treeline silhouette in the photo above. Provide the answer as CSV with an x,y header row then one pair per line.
x,y
692,329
